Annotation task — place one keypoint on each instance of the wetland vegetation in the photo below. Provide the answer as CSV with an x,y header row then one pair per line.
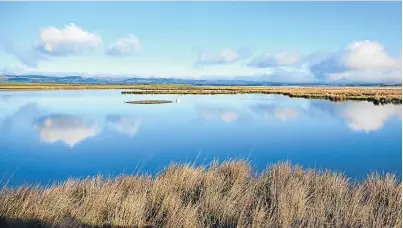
x,y
229,194
380,95
219,195
336,94
148,102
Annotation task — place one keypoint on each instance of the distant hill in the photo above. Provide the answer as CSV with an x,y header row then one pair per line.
x,y
390,84
115,80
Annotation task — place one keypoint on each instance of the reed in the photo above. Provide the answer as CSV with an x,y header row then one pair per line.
x,y
218,195
336,94
383,95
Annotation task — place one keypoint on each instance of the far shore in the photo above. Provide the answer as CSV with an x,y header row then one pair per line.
x,y
377,95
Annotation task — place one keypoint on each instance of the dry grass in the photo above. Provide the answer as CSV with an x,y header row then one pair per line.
x,y
375,95
221,195
149,102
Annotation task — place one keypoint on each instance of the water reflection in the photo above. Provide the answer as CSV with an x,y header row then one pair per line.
x,y
6,98
225,115
313,133
126,125
277,111
286,113
22,116
71,129
367,117
358,116
67,129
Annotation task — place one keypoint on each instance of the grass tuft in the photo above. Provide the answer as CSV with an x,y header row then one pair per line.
x,y
219,195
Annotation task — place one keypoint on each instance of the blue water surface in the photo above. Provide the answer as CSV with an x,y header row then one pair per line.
x,y
48,136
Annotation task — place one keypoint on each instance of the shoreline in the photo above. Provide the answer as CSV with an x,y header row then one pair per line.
x,y
224,194
378,95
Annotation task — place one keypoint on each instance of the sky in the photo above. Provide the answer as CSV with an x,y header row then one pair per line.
x,y
271,41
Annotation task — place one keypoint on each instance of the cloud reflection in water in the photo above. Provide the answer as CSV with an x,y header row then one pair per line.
x,y
126,125
282,113
67,129
358,116
223,114
364,116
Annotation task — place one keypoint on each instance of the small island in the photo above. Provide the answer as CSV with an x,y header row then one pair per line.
x,y
149,102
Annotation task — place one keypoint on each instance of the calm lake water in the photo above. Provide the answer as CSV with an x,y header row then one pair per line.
x,y
49,136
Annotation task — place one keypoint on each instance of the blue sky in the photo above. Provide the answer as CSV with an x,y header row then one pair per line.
x,y
275,41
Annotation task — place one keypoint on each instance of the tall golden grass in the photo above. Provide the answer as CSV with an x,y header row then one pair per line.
x,y
376,95
220,195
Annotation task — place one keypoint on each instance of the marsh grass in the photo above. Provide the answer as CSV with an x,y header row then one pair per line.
x,y
220,195
382,95
336,94
149,102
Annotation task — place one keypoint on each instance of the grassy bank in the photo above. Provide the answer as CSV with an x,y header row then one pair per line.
x,y
222,195
376,95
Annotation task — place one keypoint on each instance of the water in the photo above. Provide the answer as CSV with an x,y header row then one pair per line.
x,y
48,136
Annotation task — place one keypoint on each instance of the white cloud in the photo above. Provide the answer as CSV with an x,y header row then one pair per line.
x,y
138,71
225,56
365,116
124,46
68,40
290,74
376,75
368,55
67,129
367,61
29,58
361,61
277,59
222,57
126,125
